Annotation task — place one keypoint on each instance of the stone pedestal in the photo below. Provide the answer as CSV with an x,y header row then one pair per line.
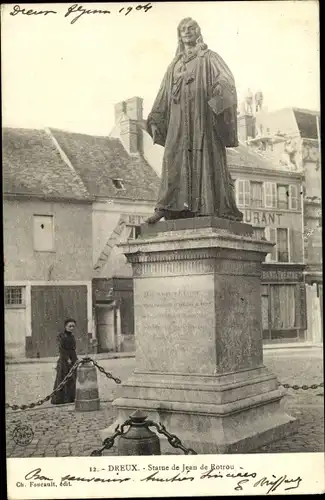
x,y
199,355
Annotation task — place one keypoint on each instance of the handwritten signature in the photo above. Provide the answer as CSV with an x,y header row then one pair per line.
x,y
79,10
270,483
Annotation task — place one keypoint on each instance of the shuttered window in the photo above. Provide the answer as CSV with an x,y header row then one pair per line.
x,y
243,192
283,197
257,194
270,234
293,197
270,194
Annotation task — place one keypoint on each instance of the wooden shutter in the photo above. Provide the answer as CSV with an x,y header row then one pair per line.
x,y
243,192
270,194
270,235
293,197
247,193
295,245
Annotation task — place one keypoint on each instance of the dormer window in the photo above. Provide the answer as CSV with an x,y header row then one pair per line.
x,y
118,184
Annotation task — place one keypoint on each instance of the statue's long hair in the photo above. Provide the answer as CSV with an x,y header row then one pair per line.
x,y
199,41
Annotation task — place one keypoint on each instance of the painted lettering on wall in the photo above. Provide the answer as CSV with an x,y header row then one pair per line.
x,y
278,275
261,218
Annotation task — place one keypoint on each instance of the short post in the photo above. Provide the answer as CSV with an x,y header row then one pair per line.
x,y
87,395
139,439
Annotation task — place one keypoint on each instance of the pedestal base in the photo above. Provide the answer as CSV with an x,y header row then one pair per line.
x,y
199,353
233,413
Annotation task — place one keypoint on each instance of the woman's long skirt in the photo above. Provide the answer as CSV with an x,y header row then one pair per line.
x,y
68,393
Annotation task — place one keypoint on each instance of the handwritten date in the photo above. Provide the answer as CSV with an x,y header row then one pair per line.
x,y
76,11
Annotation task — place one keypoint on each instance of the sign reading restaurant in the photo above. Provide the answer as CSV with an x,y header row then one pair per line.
x,y
262,217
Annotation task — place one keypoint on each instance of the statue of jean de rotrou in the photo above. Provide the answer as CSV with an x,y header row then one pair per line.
x,y
194,116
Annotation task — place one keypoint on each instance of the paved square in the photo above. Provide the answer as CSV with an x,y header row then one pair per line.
x,y
61,431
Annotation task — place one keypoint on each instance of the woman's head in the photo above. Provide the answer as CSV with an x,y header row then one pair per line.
x,y
189,33
69,324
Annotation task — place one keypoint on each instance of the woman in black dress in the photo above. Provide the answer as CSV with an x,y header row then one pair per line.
x,y
67,358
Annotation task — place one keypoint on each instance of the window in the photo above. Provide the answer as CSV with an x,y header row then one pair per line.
x,y
283,316
282,245
243,192
133,232
270,234
14,296
43,233
118,184
283,307
259,233
270,194
256,189
288,197
293,197
283,197
281,249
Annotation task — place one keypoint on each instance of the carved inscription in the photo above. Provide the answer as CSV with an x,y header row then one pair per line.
x,y
188,309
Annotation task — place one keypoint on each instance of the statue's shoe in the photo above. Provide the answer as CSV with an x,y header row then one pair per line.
x,y
159,214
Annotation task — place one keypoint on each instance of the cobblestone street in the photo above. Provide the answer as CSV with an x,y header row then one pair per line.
x,y
60,431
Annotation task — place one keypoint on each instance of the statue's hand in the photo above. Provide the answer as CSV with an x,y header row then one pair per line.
x,y
218,89
154,132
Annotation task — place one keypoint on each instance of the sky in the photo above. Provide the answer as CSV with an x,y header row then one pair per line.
x,y
69,75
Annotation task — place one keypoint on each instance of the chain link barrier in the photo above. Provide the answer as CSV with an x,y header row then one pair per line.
x,y
62,384
173,440
109,375
302,387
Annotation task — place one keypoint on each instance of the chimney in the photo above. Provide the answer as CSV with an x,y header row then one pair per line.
x,y
134,108
128,115
130,136
246,127
119,109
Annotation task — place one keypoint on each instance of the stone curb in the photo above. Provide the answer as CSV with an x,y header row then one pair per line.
x,y
97,357
119,355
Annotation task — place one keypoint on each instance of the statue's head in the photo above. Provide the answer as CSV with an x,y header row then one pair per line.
x,y
189,33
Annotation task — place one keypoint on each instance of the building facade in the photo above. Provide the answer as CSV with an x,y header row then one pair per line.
x,y
71,199
124,188
47,234
271,202
290,137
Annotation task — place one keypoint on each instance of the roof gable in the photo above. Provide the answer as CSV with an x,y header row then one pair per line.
x,y
32,165
99,160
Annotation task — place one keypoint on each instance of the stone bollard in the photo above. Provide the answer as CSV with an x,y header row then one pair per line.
x,y
139,439
87,396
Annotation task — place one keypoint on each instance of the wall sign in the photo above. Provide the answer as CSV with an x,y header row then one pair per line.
x,y
281,275
262,218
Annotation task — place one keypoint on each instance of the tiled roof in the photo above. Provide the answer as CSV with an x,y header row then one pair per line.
x,y
242,156
32,165
99,160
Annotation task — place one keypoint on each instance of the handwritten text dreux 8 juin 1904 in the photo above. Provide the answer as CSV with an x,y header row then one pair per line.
x,y
79,11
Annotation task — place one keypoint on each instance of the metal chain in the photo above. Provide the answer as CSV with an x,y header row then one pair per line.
x,y
173,440
109,442
47,398
303,387
102,370
62,384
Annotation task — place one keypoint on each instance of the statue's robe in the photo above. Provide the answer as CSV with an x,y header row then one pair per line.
x,y
195,113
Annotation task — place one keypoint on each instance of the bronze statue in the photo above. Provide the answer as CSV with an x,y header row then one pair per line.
x,y
194,117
